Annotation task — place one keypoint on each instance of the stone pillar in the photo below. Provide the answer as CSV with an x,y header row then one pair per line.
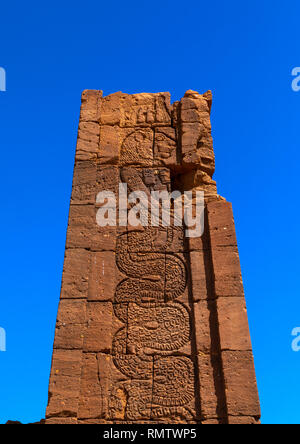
x,y
151,325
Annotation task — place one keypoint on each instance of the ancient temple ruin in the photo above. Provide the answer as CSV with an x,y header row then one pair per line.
x,y
151,325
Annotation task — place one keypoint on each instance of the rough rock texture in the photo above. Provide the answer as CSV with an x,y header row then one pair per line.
x,y
151,326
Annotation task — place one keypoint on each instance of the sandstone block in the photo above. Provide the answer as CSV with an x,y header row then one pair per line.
x,y
75,274
90,405
64,383
240,383
227,272
211,388
84,183
233,323
70,324
151,325
242,420
82,222
103,276
61,420
201,276
109,145
90,105
221,224
99,332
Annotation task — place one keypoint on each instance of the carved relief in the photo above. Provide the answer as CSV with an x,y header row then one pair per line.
x,y
152,328
156,324
143,346
161,276
165,147
173,381
147,179
137,148
146,110
107,179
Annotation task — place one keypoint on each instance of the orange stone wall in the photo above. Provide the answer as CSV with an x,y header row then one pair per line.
x,y
151,326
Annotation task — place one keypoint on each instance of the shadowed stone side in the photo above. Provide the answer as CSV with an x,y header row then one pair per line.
x,y
151,326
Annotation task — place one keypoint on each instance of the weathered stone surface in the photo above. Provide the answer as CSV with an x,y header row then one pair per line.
x,y
201,321
214,421
103,238
201,276
99,331
198,179
110,113
209,385
88,139
195,130
137,147
88,131
243,420
221,224
233,323
84,183
108,179
165,147
199,243
90,404
94,421
227,272
240,384
70,324
109,145
83,231
75,274
60,420
81,225
152,325
103,276
90,101
64,386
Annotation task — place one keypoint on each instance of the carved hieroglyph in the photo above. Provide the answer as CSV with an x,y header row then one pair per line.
x,y
157,324
151,326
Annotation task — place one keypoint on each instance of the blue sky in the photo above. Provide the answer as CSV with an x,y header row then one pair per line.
x,y
244,52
